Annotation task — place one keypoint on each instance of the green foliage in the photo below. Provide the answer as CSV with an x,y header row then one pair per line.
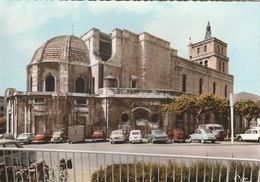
x,y
248,109
208,170
199,104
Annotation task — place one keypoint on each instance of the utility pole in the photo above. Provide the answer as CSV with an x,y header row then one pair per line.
x,y
231,101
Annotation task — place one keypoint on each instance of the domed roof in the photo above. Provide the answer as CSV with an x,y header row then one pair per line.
x,y
62,48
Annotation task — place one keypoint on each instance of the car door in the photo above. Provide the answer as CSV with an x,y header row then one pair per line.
x,y
196,135
254,135
247,135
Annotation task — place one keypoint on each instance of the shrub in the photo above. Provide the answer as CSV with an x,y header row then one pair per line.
x,y
174,171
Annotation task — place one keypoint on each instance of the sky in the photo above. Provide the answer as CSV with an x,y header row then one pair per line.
x,y
26,25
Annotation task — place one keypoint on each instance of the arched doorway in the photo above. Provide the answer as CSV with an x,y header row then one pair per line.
x,y
142,119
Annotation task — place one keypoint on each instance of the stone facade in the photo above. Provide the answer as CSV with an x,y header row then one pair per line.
x,y
105,81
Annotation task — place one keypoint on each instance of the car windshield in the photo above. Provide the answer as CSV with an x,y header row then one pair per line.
x,y
135,133
117,133
24,135
208,131
57,134
159,132
98,132
218,128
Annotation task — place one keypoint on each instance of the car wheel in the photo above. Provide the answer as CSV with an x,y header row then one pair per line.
x,y
240,139
152,140
202,141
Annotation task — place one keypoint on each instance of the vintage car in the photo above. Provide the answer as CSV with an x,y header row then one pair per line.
x,y
157,136
7,136
25,137
217,129
176,135
58,137
118,136
135,136
252,134
202,135
42,137
98,135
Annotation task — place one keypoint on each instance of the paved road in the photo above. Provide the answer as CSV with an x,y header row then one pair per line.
x,y
219,149
84,164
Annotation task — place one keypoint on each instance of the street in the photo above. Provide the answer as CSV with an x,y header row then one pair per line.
x,y
219,149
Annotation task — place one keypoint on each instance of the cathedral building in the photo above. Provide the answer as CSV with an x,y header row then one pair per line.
x,y
121,79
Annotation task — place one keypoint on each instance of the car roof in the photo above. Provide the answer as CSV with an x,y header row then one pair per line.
x,y
135,130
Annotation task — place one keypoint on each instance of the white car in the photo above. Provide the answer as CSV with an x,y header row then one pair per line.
x,y
118,136
135,136
250,135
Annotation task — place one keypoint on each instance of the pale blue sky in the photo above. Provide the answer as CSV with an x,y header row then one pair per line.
x,y
26,25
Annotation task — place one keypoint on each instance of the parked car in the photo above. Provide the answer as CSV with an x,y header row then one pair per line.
x,y
135,136
25,137
217,129
42,137
202,135
157,136
176,135
7,136
8,158
98,135
59,137
252,134
76,133
118,136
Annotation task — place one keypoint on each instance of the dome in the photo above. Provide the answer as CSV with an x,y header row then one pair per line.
x,y
66,48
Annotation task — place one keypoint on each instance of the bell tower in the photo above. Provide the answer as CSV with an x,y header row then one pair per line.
x,y
210,52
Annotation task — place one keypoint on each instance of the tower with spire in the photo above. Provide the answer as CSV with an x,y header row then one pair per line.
x,y
210,52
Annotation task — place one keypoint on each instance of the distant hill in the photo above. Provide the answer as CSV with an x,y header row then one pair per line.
x,y
243,96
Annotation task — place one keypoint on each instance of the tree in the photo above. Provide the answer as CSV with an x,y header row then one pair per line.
x,y
192,104
248,109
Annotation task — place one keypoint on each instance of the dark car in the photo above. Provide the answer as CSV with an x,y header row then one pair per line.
x,y
98,135
42,137
157,136
176,135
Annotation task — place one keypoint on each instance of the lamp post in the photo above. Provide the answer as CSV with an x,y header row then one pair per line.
x,y
231,101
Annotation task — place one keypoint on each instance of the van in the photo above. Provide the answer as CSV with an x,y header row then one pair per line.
x,y
76,133
217,129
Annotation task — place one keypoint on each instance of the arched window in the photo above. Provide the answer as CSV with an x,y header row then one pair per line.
x,y
214,87
225,91
205,48
50,84
183,83
201,86
133,83
198,50
80,85
223,66
206,63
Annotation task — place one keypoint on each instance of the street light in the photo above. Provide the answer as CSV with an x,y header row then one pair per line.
x,y
231,101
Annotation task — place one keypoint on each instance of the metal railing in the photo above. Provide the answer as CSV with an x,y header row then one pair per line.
x,y
53,165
